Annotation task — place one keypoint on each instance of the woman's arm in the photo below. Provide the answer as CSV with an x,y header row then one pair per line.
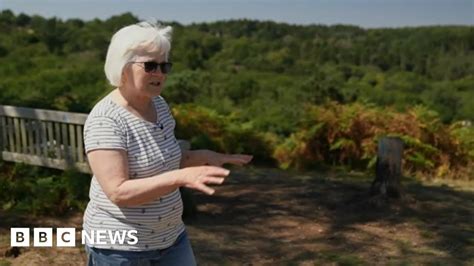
x,y
193,158
110,167
207,157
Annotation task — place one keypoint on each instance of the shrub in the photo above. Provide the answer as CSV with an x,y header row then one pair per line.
x,y
348,135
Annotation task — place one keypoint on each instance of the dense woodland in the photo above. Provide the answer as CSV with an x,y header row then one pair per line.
x,y
294,96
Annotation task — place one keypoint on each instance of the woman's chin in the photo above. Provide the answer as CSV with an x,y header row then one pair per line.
x,y
155,90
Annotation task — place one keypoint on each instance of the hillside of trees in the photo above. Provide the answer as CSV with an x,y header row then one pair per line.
x,y
295,96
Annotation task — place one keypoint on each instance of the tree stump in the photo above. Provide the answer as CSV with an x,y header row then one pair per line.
x,y
388,171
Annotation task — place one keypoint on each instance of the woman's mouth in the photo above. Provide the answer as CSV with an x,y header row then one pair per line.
x,y
157,83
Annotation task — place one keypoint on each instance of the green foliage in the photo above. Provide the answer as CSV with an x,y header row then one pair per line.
x,y
301,95
348,135
206,129
40,191
185,86
245,60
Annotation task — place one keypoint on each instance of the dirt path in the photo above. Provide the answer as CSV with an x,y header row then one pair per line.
x,y
272,217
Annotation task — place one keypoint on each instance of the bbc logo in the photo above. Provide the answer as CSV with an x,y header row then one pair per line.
x,y
42,237
66,237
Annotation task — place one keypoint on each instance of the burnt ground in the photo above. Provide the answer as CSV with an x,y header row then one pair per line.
x,y
266,216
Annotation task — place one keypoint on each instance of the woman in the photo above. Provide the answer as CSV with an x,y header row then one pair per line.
x,y
136,161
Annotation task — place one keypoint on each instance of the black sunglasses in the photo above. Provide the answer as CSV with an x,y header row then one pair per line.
x,y
152,66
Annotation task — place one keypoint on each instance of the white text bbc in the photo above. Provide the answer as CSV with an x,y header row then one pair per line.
x,y
66,237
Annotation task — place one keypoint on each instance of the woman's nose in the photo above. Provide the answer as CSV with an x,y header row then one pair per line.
x,y
157,72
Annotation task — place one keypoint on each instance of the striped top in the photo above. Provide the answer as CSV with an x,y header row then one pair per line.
x,y
152,149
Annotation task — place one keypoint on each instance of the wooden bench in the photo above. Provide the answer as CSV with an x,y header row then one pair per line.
x,y
45,138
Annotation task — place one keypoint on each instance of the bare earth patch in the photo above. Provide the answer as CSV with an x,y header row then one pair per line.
x,y
273,217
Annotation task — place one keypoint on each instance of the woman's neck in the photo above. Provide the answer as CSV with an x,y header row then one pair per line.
x,y
143,110
139,104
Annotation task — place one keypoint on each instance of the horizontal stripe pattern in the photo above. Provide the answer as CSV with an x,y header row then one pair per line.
x,y
152,149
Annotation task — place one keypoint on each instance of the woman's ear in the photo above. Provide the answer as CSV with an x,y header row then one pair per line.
x,y
123,79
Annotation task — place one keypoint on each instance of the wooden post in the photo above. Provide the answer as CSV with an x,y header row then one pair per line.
x,y
57,140
44,140
388,170
16,123
80,143
72,142
11,140
3,130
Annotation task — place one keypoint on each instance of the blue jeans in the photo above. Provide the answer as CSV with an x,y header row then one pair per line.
x,y
180,253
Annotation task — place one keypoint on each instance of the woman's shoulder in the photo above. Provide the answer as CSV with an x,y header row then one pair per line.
x,y
106,108
159,100
160,104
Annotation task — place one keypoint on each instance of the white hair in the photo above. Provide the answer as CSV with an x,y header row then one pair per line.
x,y
132,41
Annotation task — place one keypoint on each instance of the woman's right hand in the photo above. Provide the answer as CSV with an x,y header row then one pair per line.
x,y
200,177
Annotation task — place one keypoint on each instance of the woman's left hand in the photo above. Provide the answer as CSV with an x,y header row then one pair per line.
x,y
219,159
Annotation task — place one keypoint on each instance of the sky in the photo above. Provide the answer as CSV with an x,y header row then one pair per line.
x,y
364,13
